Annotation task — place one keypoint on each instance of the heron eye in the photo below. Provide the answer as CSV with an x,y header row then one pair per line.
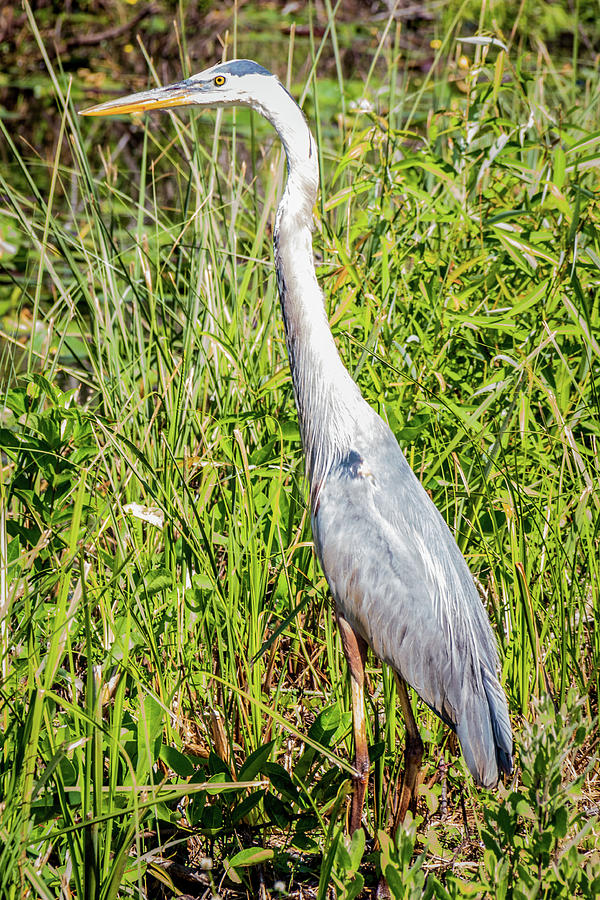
x,y
219,80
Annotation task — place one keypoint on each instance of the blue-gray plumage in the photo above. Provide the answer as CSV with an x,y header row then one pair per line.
x,y
240,67
398,579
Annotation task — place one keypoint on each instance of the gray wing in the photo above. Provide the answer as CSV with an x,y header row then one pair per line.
x,y
399,578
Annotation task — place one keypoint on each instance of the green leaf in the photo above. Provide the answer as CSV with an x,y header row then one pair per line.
x,y
327,866
281,781
279,813
251,856
211,820
149,735
173,758
158,579
246,806
561,822
357,848
255,762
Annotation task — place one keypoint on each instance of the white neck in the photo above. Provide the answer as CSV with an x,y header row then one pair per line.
x,y
326,396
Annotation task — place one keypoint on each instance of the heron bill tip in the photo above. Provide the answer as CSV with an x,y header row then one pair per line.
x,y
137,103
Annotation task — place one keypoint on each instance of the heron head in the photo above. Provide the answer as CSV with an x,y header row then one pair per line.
x,y
240,82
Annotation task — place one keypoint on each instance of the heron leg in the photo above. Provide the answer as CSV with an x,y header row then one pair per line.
x,y
413,756
355,651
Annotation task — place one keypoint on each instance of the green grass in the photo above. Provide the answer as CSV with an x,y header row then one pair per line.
x,y
145,657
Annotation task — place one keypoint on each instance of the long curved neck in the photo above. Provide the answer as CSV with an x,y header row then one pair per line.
x,y
326,396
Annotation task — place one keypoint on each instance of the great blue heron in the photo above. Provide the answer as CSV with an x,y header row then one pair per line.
x,y
401,585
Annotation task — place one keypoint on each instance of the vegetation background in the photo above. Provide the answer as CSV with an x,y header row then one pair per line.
x,y
173,698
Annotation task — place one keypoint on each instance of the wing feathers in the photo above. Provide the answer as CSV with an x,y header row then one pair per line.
x,y
399,578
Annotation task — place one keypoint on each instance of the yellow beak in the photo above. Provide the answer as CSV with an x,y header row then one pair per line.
x,y
180,94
